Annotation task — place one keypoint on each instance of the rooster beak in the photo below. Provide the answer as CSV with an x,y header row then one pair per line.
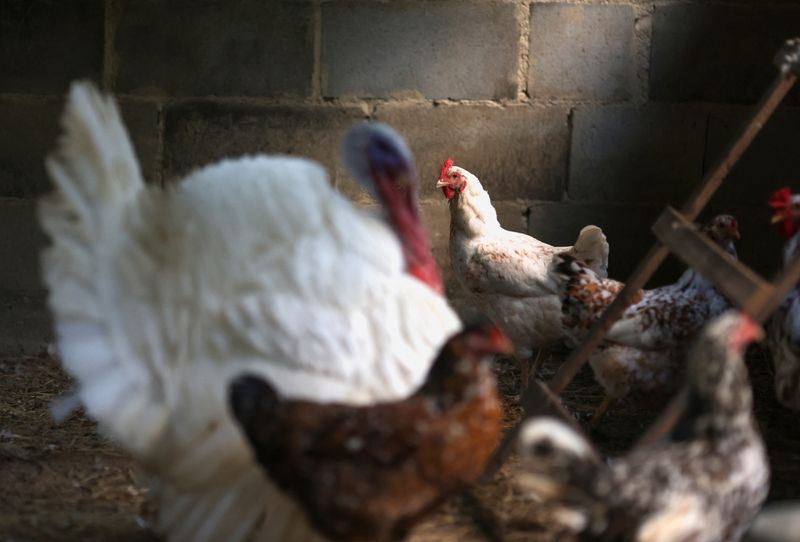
x,y
735,234
777,218
441,183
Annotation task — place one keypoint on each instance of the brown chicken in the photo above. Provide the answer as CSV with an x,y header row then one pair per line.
x,y
372,472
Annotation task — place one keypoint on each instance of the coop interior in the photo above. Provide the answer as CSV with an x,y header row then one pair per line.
x,y
586,112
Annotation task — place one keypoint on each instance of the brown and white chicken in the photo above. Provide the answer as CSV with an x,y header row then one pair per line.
x,y
784,328
370,473
644,350
705,483
505,271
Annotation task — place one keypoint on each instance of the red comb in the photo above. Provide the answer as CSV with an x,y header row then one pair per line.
x,y
447,165
747,332
780,202
780,199
499,341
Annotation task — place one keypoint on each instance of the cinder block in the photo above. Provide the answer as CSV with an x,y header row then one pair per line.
x,y
20,244
201,133
141,121
581,51
627,228
650,154
771,161
715,52
184,47
518,152
446,49
44,45
35,128
26,327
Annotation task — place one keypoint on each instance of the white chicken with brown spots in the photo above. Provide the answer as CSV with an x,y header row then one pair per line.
x,y
705,483
506,272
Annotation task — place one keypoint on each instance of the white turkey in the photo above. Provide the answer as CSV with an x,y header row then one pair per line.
x,y
162,296
505,271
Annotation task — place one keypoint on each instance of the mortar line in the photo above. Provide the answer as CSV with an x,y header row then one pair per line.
x,y
568,166
316,71
523,55
108,37
161,136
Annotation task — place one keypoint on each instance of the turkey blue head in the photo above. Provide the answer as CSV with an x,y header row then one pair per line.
x,y
380,160
374,154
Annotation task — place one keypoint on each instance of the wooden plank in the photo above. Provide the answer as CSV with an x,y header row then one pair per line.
x,y
788,278
735,280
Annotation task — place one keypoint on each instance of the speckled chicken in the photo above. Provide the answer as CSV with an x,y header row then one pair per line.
x,y
784,326
161,296
505,271
644,350
705,483
370,473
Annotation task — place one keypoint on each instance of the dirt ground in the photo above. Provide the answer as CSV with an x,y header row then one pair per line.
x,y
63,482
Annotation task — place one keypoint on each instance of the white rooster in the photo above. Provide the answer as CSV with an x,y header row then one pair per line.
x,y
507,272
162,296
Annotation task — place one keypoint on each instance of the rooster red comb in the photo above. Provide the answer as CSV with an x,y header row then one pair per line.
x,y
781,203
780,199
447,165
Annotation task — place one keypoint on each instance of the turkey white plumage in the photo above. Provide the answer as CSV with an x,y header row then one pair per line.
x,y
162,296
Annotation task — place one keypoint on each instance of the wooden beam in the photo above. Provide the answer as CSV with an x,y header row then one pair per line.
x,y
788,278
735,280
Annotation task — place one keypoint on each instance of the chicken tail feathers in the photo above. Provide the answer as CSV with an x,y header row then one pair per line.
x,y
592,247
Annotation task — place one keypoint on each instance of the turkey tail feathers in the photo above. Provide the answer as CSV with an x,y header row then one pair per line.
x,y
592,247
94,168
95,175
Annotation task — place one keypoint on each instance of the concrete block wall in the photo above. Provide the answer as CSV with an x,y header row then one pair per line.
x,y
573,112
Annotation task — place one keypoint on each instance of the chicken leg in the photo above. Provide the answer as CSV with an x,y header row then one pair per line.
x,y
600,411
